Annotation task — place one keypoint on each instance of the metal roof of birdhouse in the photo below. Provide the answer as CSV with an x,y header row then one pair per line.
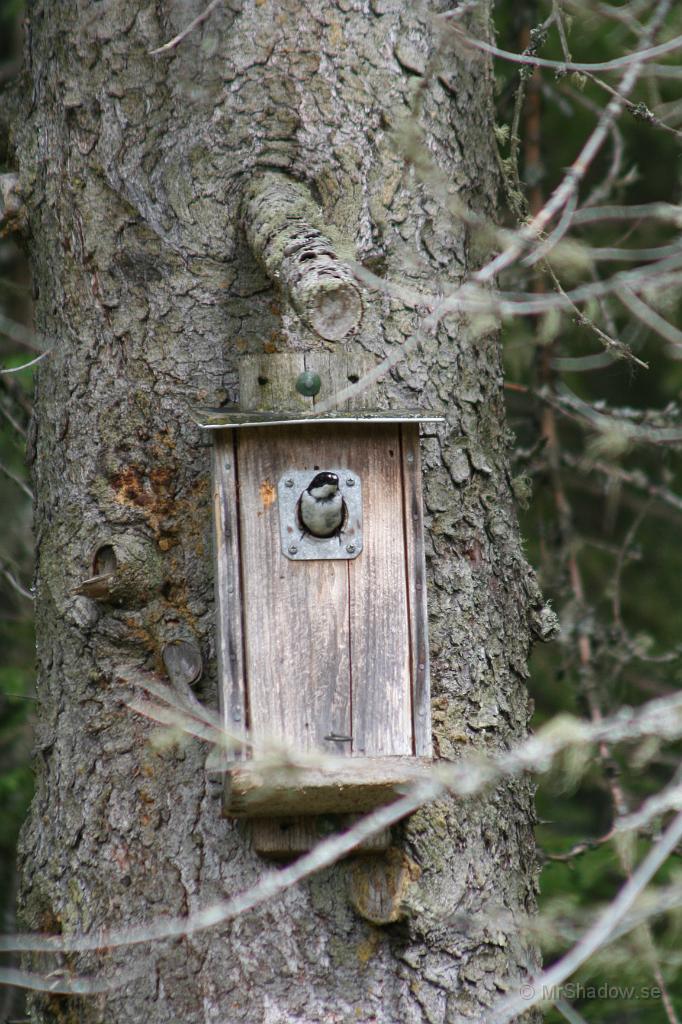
x,y
232,417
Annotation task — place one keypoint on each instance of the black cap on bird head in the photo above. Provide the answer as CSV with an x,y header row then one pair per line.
x,y
323,480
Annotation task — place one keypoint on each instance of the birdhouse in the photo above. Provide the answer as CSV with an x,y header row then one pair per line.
x,y
321,597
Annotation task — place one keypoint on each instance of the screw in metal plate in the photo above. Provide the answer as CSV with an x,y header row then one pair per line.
x,y
293,549
289,482
350,482
350,548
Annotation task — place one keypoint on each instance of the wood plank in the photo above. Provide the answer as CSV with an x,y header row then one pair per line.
x,y
348,369
353,786
268,382
379,628
283,838
229,635
295,613
416,578
337,370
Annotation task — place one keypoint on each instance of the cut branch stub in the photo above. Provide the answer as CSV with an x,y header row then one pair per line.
x,y
126,571
183,662
285,229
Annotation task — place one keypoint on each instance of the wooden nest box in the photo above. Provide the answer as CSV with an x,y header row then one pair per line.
x,y
322,640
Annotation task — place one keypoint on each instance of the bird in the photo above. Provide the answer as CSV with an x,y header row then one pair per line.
x,y
321,507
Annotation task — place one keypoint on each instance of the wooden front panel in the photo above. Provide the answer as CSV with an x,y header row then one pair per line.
x,y
328,647
296,625
380,639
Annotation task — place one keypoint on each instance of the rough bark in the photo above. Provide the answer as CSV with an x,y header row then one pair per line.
x,y
133,169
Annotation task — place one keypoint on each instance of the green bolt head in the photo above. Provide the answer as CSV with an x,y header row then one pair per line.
x,y
308,383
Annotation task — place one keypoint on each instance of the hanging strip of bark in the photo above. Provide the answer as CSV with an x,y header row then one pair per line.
x,y
12,209
285,229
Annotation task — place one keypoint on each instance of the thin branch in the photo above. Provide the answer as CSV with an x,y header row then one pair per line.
x,y
561,30
586,364
25,366
175,719
603,188
17,480
559,65
654,211
555,236
563,398
11,578
633,478
583,847
471,299
653,320
271,884
580,166
617,254
176,40
669,799
20,334
12,421
621,561
568,1012
601,933
638,110
614,348
61,982
466,779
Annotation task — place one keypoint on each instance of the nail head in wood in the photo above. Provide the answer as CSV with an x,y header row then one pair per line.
x,y
308,384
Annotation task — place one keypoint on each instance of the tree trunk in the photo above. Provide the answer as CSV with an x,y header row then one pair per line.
x,y
134,169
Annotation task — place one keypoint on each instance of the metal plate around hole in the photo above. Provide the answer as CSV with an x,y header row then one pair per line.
x,y
303,547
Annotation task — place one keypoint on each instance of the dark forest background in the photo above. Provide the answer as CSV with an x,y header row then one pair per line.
x,y
600,513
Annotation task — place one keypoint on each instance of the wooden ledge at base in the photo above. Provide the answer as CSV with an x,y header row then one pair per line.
x,y
354,785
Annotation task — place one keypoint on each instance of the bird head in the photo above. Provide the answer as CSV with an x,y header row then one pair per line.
x,y
324,485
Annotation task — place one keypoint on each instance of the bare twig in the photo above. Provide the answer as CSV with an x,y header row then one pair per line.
x,y
465,779
176,40
596,937
638,110
582,847
62,982
569,1012
669,799
20,334
25,366
578,169
14,423
654,211
11,578
631,432
17,480
653,320
634,478
270,885
616,64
